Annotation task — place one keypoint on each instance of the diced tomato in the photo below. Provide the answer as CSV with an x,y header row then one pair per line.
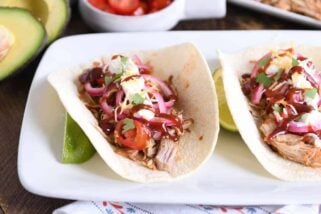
x,y
124,7
108,9
142,9
100,4
136,138
130,7
159,4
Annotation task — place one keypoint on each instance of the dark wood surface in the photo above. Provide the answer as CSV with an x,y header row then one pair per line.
x,y
14,91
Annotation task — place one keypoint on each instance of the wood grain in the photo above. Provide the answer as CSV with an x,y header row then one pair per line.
x,y
14,91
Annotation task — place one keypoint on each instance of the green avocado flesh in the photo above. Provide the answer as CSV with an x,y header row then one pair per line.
x,y
54,14
77,147
29,37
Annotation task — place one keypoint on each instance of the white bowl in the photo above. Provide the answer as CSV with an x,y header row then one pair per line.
x,y
164,19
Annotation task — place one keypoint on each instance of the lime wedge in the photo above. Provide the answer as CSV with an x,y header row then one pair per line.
x,y
77,147
226,119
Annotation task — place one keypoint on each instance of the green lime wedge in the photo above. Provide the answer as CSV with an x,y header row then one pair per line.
x,y
77,147
226,119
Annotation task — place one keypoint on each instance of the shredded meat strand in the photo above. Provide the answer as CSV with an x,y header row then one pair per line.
x,y
166,155
297,148
138,157
162,157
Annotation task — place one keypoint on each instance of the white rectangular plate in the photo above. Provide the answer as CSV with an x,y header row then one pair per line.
x,y
231,176
252,4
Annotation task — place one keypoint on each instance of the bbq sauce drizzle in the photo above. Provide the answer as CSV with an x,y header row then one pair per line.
x,y
292,96
96,77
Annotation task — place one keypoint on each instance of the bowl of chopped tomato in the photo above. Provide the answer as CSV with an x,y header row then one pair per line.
x,y
130,7
131,15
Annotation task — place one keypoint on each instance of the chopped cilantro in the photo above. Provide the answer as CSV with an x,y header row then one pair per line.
x,y
295,62
137,99
128,125
264,61
311,93
117,76
278,75
277,108
124,61
263,79
108,80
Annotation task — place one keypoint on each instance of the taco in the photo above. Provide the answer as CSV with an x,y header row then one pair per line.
x,y
144,111
274,94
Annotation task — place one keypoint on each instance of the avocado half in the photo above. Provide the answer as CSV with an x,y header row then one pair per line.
x,y
29,38
54,14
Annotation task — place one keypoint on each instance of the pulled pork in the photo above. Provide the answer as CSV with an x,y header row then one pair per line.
x,y
159,155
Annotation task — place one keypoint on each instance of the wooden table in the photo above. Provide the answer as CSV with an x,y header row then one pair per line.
x,y
14,91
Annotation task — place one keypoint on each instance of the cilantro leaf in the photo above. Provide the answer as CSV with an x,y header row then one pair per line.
x,y
117,77
263,79
277,108
124,61
128,125
264,61
138,99
278,75
311,93
295,62
108,80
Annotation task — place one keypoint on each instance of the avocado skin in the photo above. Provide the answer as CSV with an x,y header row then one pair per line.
x,y
39,46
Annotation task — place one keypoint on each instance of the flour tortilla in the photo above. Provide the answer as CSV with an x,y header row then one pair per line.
x,y
197,99
234,65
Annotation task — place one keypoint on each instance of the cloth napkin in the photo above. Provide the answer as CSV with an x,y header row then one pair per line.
x,y
106,207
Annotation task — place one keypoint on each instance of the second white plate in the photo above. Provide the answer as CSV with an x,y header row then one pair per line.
x,y
252,4
232,176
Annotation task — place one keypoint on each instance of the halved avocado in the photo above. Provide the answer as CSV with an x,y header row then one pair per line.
x,y
54,14
29,38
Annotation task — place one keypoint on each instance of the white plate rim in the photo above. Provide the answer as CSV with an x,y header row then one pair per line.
x,y
233,200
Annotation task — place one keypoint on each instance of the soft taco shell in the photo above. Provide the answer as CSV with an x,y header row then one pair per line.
x,y
197,99
234,65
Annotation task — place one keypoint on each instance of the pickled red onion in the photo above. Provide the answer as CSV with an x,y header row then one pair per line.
x,y
160,102
257,94
298,127
163,86
107,109
95,92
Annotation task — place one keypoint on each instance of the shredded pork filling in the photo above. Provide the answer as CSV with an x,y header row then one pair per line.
x,y
284,94
135,110
160,155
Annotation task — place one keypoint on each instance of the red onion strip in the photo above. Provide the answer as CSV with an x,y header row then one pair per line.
x,y
140,64
298,127
160,102
257,94
164,87
105,107
169,104
95,92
